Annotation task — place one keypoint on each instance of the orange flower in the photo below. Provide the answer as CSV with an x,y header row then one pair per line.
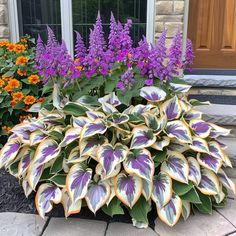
x,y
17,96
129,55
34,79
14,83
4,43
19,48
13,103
29,100
21,60
7,78
79,67
11,47
22,118
24,40
6,128
8,88
40,99
2,83
21,73
26,108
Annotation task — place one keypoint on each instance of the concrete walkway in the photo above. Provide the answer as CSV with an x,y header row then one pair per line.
x,y
222,222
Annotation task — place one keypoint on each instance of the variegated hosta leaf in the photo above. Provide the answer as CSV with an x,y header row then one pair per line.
x,y
209,162
34,173
218,131
140,162
142,137
140,109
71,135
46,195
172,108
181,88
89,130
26,187
80,121
69,206
227,182
171,212
185,106
37,137
23,130
194,170
223,146
152,94
77,181
199,145
162,189
220,196
25,154
110,99
46,151
161,143
100,171
118,118
186,209
151,120
13,136
109,157
209,183
216,151
176,166
147,189
9,152
108,108
75,156
200,128
94,115
193,114
88,101
177,129
89,146
97,195
128,188
176,145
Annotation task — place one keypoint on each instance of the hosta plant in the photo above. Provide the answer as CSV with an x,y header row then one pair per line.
x,y
107,156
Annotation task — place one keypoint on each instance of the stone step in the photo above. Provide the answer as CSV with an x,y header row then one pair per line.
x,y
220,114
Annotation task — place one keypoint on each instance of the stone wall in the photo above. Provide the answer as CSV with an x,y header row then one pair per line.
x,y
4,26
169,15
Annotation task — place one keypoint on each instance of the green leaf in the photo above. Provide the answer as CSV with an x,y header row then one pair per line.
x,y
59,180
220,205
113,208
47,88
181,188
195,102
206,206
140,211
9,73
46,175
192,196
159,157
19,105
56,135
57,164
74,109
110,84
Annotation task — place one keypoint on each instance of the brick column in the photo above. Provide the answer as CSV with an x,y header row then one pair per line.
x,y
169,15
4,26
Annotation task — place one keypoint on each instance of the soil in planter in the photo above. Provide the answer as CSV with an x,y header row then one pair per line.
x,y
12,199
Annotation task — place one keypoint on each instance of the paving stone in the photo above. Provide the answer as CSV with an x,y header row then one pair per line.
x,y
197,225
233,234
122,229
75,227
229,212
18,224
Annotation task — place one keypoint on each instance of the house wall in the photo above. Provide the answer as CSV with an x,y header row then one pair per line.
x,y
170,16
4,26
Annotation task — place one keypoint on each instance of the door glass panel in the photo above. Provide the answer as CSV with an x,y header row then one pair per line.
x,y
35,15
85,13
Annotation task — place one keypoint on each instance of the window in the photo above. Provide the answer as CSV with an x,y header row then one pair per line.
x,y
65,16
85,13
34,15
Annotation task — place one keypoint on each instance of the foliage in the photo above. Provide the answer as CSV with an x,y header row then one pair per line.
x,y
19,82
115,156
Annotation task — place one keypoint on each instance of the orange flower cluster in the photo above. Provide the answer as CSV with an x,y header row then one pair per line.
x,y
34,79
21,60
21,73
4,43
29,100
18,48
11,85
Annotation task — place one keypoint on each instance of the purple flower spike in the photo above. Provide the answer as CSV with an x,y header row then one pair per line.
x,y
189,54
39,49
127,81
80,48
